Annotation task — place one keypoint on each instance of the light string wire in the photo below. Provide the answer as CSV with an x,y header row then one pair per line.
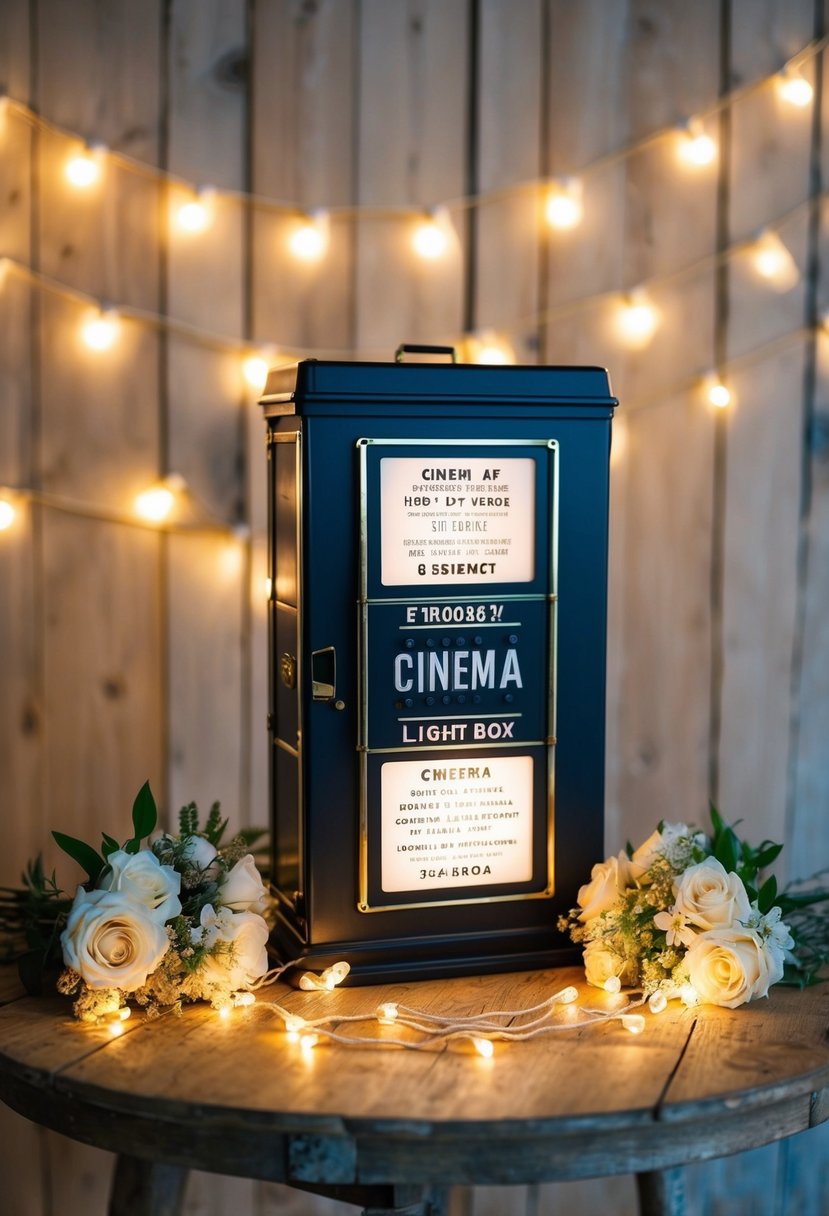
x,y
605,160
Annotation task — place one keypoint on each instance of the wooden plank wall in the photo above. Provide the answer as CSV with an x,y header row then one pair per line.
x,y
126,654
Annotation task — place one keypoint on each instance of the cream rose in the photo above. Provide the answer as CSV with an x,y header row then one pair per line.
x,y
199,852
710,898
601,964
247,935
731,966
112,941
643,858
607,881
142,877
242,889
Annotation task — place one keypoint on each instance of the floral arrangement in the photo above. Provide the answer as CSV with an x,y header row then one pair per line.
x,y
183,918
686,915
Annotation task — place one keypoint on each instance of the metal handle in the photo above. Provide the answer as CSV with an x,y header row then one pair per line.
x,y
418,348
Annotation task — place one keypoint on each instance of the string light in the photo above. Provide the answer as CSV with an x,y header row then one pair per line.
x,y
309,239
8,511
156,503
563,207
613,984
633,1022
326,980
487,347
637,319
483,1047
430,239
718,393
255,368
99,330
84,169
696,147
196,214
794,88
657,1002
773,262
386,1013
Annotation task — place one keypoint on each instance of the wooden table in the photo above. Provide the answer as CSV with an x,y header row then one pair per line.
x,y
392,1129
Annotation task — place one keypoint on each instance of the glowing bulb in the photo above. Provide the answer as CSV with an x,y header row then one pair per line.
x,y
309,240
255,370
487,347
116,1029
773,262
196,215
688,995
563,208
308,1042
657,1001
8,514
430,239
84,169
386,1013
336,973
637,320
100,330
224,1012
243,1000
696,147
613,984
484,1047
634,1022
719,395
794,89
568,995
155,504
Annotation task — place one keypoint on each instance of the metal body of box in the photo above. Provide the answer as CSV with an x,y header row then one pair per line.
x,y
438,573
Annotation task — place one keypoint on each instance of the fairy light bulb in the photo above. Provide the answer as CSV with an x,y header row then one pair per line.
x,y
155,504
196,215
430,239
308,241
255,370
243,1000
8,513
613,984
308,1042
718,394
637,320
688,995
224,1013
489,348
633,1022
563,207
99,330
84,168
484,1047
294,1025
773,262
657,1001
386,1013
794,88
568,995
696,147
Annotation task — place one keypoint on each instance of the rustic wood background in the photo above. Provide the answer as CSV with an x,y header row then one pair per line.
x,y
128,654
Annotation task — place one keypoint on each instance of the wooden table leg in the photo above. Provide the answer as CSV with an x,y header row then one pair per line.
x,y
662,1192
146,1188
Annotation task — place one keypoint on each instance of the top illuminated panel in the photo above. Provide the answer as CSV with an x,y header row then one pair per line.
x,y
465,519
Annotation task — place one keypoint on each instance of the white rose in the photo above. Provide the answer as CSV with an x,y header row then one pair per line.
x,y
710,898
199,852
242,888
644,857
731,966
111,941
246,933
142,877
607,881
601,964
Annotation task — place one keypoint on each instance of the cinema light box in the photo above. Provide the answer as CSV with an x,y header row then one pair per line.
x,y
437,620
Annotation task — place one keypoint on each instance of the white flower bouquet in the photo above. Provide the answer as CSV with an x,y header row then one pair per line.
x,y
686,915
183,918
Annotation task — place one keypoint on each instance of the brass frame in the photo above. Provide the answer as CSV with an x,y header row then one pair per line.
x,y
551,597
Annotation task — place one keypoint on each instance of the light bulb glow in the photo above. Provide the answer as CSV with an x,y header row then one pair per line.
x,y
657,1001
8,514
430,239
794,89
719,395
773,262
309,239
637,320
613,984
224,1013
155,503
100,330
84,168
116,1029
568,995
489,348
484,1047
255,371
696,147
243,1000
633,1022
386,1013
563,208
196,215
688,995
308,1042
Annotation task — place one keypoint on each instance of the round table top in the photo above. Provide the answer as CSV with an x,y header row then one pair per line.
x,y
236,1096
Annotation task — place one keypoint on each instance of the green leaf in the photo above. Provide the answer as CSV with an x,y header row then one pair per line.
x,y
82,853
717,821
767,895
144,813
727,849
109,845
767,853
